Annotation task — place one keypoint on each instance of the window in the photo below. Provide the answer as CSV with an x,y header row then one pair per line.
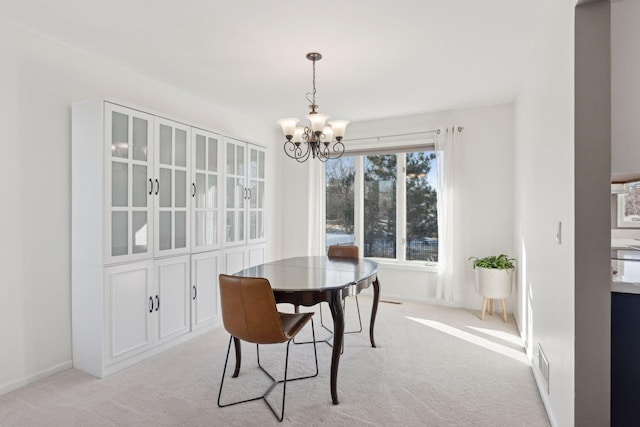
x,y
385,203
380,201
629,207
340,175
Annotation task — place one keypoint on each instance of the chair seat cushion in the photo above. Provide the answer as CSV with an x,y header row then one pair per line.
x,y
293,322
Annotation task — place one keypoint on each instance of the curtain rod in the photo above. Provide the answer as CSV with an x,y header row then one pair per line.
x,y
392,136
426,132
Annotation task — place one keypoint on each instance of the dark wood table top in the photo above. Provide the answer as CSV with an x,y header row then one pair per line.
x,y
312,273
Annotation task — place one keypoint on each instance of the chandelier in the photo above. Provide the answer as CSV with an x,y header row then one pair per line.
x,y
317,138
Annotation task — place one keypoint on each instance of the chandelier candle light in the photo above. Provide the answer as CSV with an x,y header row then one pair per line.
x,y
318,137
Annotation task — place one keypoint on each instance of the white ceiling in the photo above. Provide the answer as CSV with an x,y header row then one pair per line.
x,y
381,58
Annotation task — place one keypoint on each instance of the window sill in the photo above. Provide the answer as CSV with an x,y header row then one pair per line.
x,y
406,266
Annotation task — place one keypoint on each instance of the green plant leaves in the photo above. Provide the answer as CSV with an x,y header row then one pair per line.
x,y
500,262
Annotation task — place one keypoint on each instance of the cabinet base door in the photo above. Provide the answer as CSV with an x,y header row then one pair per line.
x,y
205,268
128,307
172,299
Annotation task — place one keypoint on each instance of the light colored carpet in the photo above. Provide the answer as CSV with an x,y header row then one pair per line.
x,y
435,366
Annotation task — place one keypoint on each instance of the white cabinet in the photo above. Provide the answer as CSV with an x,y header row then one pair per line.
x,y
148,211
205,308
206,180
244,193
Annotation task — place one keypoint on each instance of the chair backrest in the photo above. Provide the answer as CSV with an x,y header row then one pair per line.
x,y
249,310
343,251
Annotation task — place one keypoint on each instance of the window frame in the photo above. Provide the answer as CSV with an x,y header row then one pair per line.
x,y
622,222
358,152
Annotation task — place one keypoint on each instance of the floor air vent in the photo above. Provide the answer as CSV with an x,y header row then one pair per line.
x,y
543,365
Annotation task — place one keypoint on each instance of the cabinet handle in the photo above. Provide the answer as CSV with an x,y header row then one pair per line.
x,y
193,184
157,302
249,190
195,293
157,186
150,304
150,186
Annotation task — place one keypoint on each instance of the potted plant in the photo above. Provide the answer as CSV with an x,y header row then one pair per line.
x,y
493,280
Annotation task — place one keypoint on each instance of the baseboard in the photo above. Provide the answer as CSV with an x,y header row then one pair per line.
x,y
434,301
6,388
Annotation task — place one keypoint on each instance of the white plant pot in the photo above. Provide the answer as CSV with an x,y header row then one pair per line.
x,y
494,283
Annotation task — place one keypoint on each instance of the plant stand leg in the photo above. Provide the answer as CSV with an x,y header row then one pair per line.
x,y
484,308
504,311
491,307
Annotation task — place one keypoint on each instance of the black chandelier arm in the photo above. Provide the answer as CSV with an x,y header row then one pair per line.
x,y
291,147
296,152
338,148
331,152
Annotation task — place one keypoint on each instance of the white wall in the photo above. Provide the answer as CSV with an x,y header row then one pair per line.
x,y
483,197
39,79
625,100
544,195
625,87
553,168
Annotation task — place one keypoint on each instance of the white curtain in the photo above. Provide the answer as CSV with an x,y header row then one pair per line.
x,y
445,142
315,206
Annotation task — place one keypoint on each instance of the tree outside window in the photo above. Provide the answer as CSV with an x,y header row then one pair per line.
x,y
340,176
380,190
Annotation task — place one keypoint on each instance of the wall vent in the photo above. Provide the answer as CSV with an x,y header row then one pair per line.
x,y
543,365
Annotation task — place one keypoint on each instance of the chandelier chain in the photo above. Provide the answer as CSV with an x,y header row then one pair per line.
x,y
313,94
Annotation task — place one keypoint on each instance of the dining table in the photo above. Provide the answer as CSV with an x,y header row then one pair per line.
x,y
310,280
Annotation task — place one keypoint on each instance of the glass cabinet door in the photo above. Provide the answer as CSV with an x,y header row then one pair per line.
x,y
128,155
256,194
205,190
236,191
171,187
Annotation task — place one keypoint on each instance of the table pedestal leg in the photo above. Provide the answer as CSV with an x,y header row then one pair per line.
x,y
338,336
374,310
236,343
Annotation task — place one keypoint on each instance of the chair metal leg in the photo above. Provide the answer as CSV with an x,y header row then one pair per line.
x,y
274,381
327,340
344,308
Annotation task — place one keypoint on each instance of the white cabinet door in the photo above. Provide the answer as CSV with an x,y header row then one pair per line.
x,y
171,188
241,257
255,255
205,268
128,144
234,260
172,297
245,208
129,305
236,192
206,194
257,210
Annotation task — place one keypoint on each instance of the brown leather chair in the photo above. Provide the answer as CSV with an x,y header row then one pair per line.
x,y
339,251
249,313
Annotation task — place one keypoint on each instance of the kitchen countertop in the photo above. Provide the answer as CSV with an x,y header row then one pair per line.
x,y
625,266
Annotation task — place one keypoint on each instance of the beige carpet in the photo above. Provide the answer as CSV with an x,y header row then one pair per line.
x,y
436,366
